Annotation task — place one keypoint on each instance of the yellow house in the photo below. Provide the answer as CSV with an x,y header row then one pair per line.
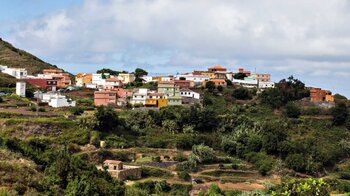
x,y
126,77
157,78
209,74
83,79
329,98
156,100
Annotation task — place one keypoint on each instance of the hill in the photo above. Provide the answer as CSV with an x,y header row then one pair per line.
x,y
14,57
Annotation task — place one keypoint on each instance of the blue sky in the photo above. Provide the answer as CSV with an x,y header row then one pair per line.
x,y
310,40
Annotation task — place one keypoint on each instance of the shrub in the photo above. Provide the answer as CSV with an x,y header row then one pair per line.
x,y
241,93
292,110
296,162
180,157
184,176
340,114
156,159
76,110
148,171
33,108
311,111
42,110
203,154
303,187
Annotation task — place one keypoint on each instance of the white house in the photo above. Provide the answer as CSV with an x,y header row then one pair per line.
x,y
93,86
3,67
189,93
167,78
58,101
99,80
197,79
139,97
15,72
54,99
21,89
265,85
147,79
246,83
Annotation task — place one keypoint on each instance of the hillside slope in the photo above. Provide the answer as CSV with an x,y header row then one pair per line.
x,y
14,57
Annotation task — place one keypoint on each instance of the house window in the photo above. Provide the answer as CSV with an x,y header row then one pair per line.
x,y
115,167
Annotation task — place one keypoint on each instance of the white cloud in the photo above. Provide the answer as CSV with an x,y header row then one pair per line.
x,y
295,36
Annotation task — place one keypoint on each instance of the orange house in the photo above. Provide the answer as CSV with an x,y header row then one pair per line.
x,y
63,79
219,82
105,98
319,95
217,68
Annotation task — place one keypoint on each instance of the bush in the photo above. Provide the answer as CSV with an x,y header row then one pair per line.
x,y
296,162
241,93
203,154
340,114
292,110
42,110
76,110
156,159
180,157
311,111
33,108
261,161
148,171
184,176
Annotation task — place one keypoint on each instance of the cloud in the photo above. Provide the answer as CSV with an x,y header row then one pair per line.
x,y
310,38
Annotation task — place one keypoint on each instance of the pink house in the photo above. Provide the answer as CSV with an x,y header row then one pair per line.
x,y
123,93
112,84
106,97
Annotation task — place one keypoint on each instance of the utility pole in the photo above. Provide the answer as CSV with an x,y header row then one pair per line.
x,y
37,103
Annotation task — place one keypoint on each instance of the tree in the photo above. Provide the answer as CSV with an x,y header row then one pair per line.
x,y
340,114
220,88
241,93
140,72
111,72
296,187
240,76
210,86
214,190
203,154
229,82
292,110
29,93
106,119
286,90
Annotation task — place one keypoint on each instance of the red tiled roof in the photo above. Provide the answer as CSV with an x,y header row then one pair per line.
x,y
182,81
113,161
156,94
216,67
166,82
104,92
217,80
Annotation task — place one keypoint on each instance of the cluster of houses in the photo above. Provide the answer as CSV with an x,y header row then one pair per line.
x,y
49,80
170,90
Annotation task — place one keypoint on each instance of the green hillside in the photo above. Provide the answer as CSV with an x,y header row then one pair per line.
x,y
14,57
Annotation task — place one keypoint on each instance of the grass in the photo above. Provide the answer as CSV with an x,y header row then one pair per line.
x,y
144,159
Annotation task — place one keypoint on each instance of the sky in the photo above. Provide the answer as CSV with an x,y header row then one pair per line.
x,y
307,39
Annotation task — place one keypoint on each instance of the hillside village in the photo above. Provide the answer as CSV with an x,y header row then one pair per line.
x,y
181,89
